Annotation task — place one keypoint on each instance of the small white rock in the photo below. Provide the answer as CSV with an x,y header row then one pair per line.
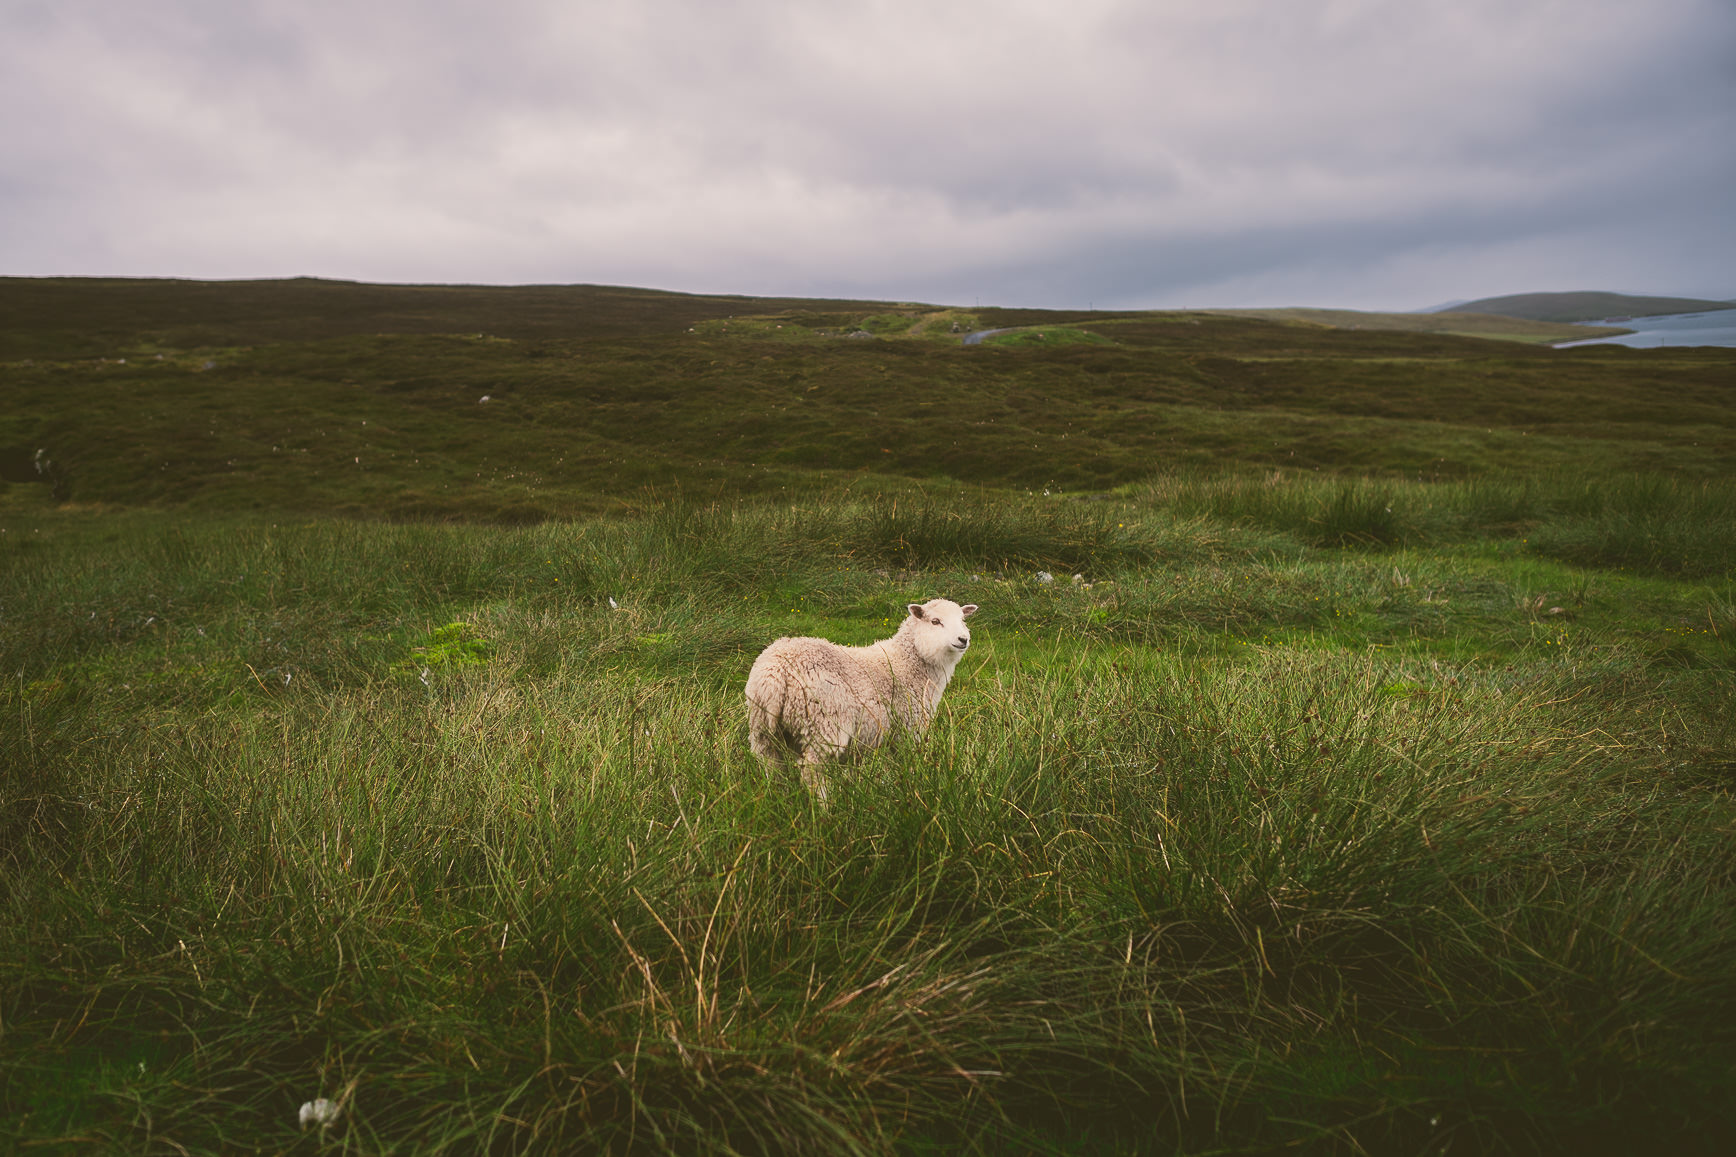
x,y
1078,578
1044,576
319,1111
613,605
485,398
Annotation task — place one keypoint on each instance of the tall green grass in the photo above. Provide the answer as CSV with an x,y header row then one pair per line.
x,y
579,911
1152,883
1651,522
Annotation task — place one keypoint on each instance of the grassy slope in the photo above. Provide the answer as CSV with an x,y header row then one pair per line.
x,y
1335,810
58,317
1586,306
393,424
1463,323
1246,844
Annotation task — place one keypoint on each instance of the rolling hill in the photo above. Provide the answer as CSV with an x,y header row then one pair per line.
x,y
1463,322
1586,306
84,316
546,402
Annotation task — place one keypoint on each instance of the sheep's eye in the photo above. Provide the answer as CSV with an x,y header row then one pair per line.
x,y
936,622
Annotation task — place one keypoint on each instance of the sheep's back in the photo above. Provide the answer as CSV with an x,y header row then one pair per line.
x,y
860,672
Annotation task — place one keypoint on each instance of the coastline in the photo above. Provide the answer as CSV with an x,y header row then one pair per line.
x,y
1713,327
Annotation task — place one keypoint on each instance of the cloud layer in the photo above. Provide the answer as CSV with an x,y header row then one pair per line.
x,y
1373,153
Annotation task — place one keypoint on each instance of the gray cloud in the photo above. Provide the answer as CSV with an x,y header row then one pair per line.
x,y
1376,153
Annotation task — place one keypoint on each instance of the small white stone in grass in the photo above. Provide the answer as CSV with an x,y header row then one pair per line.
x,y
319,1111
485,398
424,676
1078,578
1044,576
613,605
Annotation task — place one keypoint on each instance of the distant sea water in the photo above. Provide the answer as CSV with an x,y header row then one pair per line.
x,y
1712,327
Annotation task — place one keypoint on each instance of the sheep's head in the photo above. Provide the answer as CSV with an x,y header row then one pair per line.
x,y
939,630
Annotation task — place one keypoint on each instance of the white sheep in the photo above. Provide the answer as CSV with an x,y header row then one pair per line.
x,y
813,700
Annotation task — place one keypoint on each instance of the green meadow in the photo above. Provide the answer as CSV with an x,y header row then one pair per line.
x,y
1343,762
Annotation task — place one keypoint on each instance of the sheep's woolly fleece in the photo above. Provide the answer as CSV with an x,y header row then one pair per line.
x,y
812,700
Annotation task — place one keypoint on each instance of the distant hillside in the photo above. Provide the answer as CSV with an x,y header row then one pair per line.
x,y
1463,323
82,316
1586,306
524,404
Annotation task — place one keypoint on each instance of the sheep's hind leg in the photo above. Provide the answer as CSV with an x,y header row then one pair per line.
x,y
814,777
769,746
828,743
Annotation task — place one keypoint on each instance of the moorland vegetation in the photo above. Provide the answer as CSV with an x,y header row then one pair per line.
x,y
1343,760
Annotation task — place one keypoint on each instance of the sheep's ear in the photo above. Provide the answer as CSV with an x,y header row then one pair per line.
x,y
968,609
917,612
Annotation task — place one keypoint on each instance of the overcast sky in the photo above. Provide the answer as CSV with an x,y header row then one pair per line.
x,y
1381,154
